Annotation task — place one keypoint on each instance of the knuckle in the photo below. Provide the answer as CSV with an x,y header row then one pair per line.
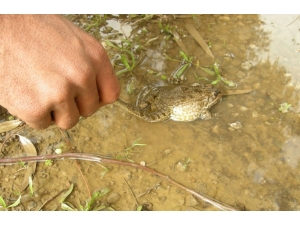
x,y
67,123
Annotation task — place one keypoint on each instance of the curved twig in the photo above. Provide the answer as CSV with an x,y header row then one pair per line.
x,y
101,159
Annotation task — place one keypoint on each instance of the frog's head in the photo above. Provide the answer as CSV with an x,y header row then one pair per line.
x,y
213,97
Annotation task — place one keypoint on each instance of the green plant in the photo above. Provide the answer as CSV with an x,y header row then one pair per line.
x,y
126,154
178,75
104,172
4,205
167,29
97,20
48,162
128,58
284,107
89,204
215,71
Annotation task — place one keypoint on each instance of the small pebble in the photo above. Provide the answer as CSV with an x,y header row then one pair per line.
x,y
113,198
58,151
32,204
255,114
167,151
237,125
180,167
243,108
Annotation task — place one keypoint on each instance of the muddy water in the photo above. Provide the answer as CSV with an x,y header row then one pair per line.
x,y
254,165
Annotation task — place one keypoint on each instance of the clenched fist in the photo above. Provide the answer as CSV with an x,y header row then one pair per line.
x,y
52,71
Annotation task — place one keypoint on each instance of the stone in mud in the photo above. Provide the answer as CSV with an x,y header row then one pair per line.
x,y
113,198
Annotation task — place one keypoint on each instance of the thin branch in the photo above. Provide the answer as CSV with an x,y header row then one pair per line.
x,y
96,158
133,195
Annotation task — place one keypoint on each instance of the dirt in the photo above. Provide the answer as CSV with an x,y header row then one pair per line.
x,y
254,164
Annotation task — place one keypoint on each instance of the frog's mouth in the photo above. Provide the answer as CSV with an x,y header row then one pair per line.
x,y
217,93
215,97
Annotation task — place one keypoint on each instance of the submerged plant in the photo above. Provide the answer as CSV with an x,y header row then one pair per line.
x,y
215,71
126,154
284,107
5,206
89,203
127,57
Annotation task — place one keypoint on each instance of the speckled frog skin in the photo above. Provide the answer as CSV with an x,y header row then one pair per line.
x,y
182,103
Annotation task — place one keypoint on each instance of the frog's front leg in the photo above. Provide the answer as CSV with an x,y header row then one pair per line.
x,y
205,115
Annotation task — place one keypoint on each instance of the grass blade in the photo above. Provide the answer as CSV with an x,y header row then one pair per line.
x,y
207,70
17,202
125,62
2,202
66,194
66,207
110,44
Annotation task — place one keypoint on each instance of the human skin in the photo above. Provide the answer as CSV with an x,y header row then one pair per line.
x,y
51,71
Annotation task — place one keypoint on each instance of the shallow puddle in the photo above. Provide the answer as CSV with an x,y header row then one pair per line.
x,y
247,155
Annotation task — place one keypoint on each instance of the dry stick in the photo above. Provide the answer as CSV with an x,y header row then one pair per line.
x,y
101,159
148,190
133,195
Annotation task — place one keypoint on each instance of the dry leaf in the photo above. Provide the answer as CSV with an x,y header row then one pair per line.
x,y
192,30
9,125
179,42
30,151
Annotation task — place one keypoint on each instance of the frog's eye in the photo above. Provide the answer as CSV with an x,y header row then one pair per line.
x,y
216,93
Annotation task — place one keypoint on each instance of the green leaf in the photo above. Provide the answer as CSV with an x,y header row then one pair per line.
x,y
66,207
96,194
67,193
99,208
215,82
125,62
229,82
110,44
2,202
207,70
17,202
164,77
284,108
184,56
120,72
216,68
132,58
182,70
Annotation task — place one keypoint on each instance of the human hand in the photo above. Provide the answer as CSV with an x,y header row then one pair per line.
x,y
52,71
